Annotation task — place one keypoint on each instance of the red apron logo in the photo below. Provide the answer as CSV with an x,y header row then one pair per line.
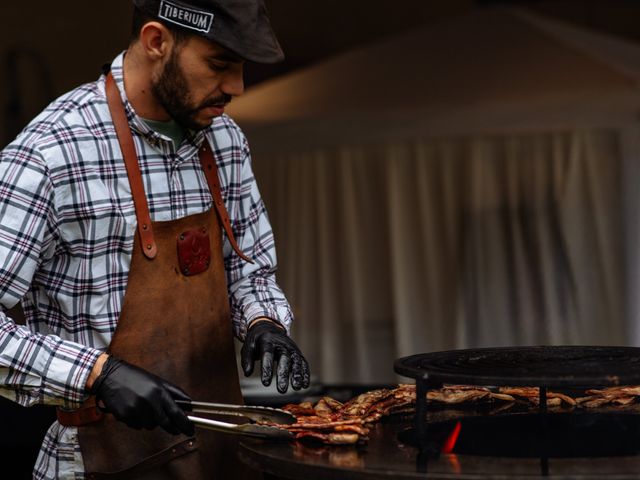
x,y
186,17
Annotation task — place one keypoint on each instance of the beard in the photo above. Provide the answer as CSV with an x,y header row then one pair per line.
x,y
172,92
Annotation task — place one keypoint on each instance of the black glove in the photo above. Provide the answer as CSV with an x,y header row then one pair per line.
x,y
140,399
269,342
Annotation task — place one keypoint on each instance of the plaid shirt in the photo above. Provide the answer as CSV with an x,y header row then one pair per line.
x,y
67,226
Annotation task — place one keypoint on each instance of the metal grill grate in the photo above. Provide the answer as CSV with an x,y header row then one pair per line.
x,y
547,366
544,367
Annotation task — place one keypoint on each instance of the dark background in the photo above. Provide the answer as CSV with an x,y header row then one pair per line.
x,y
47,48
311,31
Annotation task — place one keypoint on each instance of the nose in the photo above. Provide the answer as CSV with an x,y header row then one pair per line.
x,y
233,81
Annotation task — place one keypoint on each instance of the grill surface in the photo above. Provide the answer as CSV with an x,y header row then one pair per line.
x,y
532,446
549,366
386,458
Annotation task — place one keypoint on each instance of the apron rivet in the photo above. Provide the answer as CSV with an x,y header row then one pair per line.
x,y
186,271
149,247
190,444
144,226
182,237
173,450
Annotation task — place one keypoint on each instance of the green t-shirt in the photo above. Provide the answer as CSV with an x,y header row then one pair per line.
x,y
169,129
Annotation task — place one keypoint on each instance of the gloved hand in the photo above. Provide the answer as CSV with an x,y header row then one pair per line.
x,y
269,342
140,399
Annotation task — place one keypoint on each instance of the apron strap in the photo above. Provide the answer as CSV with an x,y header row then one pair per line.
x,y
211,172
121,123
119,118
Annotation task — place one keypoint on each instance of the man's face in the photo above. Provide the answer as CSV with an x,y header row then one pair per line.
x,y
197,81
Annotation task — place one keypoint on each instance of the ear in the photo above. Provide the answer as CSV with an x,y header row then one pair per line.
x,y
156,40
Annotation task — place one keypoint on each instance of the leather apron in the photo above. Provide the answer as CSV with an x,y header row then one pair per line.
x,y
175,323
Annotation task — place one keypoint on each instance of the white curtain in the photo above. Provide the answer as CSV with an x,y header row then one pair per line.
x,y
428,244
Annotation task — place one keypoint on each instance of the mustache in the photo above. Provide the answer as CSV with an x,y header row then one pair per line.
x,y
223,99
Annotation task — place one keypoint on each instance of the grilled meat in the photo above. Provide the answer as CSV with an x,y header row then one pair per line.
x,y
331,422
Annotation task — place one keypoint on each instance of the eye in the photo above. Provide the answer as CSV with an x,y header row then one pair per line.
x,y
218,66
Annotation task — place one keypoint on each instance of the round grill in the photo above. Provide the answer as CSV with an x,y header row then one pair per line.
x,y
549,366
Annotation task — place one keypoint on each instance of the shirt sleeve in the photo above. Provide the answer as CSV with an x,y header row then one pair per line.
x,y
34,368
253,289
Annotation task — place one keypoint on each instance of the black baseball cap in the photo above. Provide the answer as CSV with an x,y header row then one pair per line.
x,y
241,26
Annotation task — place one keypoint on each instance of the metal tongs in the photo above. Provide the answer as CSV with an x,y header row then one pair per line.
x,y
253,413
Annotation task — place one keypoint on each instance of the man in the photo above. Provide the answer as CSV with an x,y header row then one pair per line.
x,y
133,233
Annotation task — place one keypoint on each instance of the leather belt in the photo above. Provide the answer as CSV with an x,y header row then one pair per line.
x,y
86,414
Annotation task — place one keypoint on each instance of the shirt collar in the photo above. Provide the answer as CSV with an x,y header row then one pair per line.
x,y
135,122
